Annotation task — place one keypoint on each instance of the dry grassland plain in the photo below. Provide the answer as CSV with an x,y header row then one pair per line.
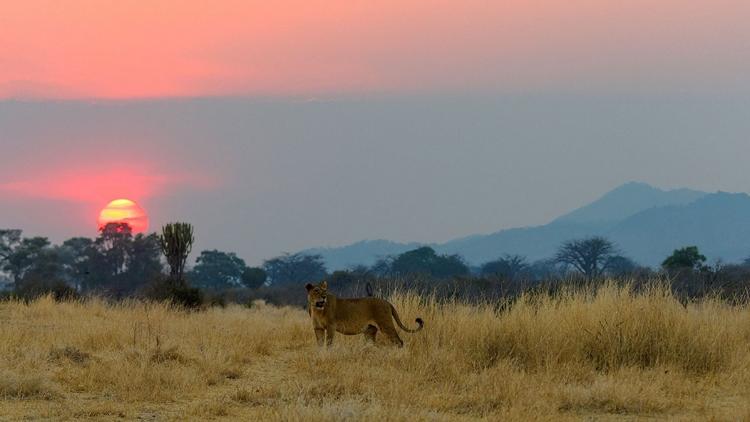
x,y
609,355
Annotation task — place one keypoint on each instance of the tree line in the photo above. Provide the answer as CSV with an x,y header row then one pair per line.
x,y
119,263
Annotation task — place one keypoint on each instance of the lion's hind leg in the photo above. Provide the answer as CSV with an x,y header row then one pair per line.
x,y
389,330
370,332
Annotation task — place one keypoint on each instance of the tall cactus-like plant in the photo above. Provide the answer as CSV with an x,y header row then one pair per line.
x,y
176,241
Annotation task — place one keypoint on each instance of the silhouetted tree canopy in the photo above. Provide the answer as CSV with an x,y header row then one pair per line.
x,y
508,267
9,240
295,268
144,261
217,270
382,267
619,266
545,269
253,277
77,255
425,261
589,256
118,262
24,256
113,243
346,280
685,258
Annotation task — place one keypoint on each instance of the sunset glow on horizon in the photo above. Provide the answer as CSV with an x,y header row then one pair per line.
x,y
166,48
91,182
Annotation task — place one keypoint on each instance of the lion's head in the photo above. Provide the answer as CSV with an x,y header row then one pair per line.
x,y
317,296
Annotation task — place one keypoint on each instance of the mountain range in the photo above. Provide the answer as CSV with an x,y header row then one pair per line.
x,y
645,223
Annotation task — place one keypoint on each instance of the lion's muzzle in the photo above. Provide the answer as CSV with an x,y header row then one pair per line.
x,y
320,304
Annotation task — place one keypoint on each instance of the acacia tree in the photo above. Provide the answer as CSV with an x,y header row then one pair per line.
x,y
589,256
176,241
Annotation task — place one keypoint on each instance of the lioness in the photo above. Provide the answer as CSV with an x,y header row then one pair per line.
x,y
364,315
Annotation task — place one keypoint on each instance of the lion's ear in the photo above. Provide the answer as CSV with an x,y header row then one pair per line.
x,y
324,285
308,286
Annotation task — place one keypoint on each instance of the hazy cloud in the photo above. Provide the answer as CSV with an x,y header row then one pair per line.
x,y
331,47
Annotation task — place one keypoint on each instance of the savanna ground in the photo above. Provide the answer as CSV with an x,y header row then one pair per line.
x,y
609,355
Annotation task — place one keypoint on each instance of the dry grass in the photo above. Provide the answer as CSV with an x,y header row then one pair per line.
x,y
605,355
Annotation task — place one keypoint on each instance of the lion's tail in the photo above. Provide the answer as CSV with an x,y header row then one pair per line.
x,y
400,324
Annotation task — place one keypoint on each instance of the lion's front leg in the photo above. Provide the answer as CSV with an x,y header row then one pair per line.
x,y
330,331
319,335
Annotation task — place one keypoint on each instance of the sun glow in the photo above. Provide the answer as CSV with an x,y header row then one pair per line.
x,y
124,211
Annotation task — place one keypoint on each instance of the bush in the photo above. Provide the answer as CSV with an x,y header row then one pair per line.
x,y
188,297
34,288
167,289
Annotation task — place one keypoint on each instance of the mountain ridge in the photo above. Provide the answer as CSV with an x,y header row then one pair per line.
x,y
646,223
629,199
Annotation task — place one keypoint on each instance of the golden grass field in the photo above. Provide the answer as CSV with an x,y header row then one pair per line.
x,y
612,355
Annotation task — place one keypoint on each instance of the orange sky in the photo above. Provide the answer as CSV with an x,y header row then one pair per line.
x,y
166,48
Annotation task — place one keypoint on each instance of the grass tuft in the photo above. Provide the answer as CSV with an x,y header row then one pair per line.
x,y
69,353
20,386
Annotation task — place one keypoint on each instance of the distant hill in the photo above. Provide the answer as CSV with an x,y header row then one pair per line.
x,y
533,242
627,200
646,223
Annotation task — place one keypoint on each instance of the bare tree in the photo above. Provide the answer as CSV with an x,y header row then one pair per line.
x,y
590,256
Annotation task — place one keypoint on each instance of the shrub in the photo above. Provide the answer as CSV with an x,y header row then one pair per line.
x,y
167,289
188,297
34,288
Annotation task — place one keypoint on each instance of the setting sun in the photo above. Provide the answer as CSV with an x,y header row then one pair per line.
x,y
124,211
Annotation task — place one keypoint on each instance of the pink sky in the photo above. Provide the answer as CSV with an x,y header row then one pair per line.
x,y
163,48
46,163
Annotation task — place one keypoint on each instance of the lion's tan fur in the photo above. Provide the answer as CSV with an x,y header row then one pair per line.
x,y
365,316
